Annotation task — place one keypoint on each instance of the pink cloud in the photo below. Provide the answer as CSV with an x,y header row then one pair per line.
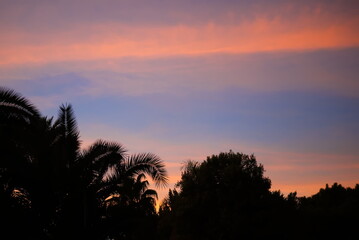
x,y
116,40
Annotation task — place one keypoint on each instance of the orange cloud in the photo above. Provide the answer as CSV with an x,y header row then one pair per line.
x,y
116,40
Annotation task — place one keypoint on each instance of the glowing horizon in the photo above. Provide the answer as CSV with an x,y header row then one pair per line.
x,y
188,79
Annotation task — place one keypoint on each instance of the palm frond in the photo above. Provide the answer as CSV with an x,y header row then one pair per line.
x,y
100,150
107,188
66,128
13,103
147,163
100,157
67,121
150,193
140,178
140,186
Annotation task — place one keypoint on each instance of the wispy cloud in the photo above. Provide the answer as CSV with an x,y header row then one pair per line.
x,y
262,32
326,71
185,40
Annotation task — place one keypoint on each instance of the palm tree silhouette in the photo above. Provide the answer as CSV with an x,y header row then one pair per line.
x,y
106,171
66,187
19,123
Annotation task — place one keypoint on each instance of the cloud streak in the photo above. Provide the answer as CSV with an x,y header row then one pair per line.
x,y
326,71
308,30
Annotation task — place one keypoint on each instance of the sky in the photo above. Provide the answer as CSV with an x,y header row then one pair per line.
x,y
188,79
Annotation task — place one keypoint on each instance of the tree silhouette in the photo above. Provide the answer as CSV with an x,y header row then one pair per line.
x,y
131,209
19,123
51,187
227,197
332,213
224,197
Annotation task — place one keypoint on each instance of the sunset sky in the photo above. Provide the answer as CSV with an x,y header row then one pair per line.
x,y
188,79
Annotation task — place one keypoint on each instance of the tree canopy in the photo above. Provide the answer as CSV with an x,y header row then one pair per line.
x,y
227,196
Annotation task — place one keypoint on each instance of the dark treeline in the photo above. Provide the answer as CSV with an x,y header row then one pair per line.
x,y
227,197
51,189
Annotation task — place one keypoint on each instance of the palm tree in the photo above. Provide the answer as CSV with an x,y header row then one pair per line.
x,y
106,171
136,190
88,177
130,208
128,192
15,107
41,160
17,116
21,129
